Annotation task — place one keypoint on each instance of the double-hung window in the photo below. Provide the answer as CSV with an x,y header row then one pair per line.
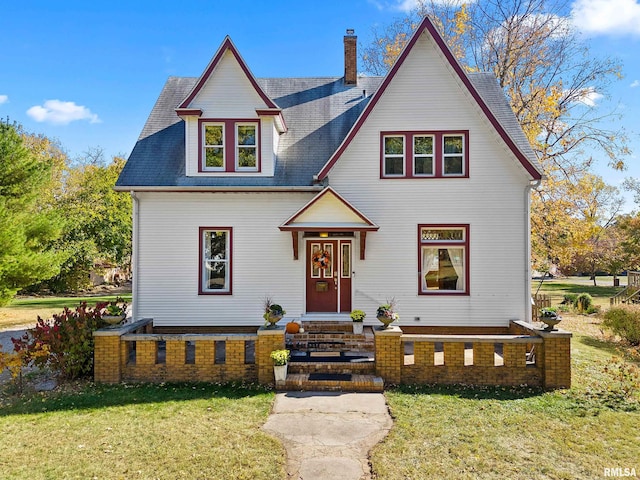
x,y
213,146
430,154
394,155
246,147
452,155
229,145
443,259
215,260
423,154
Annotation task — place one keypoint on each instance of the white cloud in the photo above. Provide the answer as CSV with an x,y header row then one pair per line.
x,y
406,5
589,97
603,17
635,83
61,113
4,99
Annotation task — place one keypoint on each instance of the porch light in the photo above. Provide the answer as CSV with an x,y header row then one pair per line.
x,y
324,234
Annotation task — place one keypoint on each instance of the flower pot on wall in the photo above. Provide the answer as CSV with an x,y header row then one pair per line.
x,y
386,321
358,328
272,320
113,319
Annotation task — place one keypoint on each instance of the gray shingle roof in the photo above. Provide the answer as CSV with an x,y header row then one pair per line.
x,y
487,86
319,113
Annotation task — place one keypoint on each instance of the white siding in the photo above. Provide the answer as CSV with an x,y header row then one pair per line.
x,y
424,95
262,257
229,94
329,210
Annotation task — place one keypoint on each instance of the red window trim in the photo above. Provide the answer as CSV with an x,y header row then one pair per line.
x,y
202,291
464,244
229,144
438,158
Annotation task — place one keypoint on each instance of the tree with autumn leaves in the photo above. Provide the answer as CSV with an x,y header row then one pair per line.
x,y
551,80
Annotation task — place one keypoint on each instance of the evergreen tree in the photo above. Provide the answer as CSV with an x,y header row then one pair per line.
x,y
27,228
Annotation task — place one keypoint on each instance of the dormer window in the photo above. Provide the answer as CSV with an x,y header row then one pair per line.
x,y
246,147
213,147
229,145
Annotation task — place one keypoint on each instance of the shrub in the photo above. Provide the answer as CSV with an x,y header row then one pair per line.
x,y
593,309
66,340
625,322
569,299
583,302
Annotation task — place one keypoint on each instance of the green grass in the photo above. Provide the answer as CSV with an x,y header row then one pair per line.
x,y
145,431
61,302
24,311
557,288
517,433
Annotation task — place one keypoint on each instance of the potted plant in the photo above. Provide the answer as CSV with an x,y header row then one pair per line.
x,y
358,318
273,313
280,360
115,312
550,317
386,313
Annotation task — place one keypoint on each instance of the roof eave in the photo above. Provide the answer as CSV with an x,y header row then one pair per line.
x,y
218,188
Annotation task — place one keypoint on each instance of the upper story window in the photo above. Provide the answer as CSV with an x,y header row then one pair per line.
x,y
424,154
213,147
453,155
246,147
229,145
393,156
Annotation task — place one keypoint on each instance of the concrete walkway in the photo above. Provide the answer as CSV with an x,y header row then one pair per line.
x,y
328,435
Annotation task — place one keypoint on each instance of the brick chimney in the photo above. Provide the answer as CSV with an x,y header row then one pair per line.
x,y
350,58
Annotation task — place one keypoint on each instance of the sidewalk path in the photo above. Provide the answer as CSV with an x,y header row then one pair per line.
x,y
328,435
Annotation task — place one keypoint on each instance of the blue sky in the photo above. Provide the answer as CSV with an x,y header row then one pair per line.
x,y
88,73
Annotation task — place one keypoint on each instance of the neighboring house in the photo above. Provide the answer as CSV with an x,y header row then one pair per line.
x,y
415,185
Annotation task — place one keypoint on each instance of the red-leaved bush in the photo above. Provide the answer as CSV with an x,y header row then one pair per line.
x,y
67,340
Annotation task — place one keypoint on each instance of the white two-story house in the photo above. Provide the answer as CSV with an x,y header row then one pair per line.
x,y
333,194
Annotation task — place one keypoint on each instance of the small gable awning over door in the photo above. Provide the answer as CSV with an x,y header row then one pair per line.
x,y
329,212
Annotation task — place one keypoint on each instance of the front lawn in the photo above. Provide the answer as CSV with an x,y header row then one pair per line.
x,y
140,432
522,433
558,287
26,310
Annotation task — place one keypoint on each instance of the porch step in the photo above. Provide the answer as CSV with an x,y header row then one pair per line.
x,y
361,364
336,336
331,383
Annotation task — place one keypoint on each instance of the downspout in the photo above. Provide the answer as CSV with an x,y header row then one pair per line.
x,y
527,247
134,256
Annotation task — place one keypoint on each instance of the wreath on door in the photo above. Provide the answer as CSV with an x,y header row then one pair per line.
x,y
321,259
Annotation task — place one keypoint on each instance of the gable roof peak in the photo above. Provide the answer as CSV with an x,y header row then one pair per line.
x,y
426,25
227,45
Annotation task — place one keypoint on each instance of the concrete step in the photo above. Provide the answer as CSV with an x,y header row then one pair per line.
x,y
331,383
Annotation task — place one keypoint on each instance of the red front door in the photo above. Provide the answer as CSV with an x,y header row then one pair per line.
x,y
328,275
